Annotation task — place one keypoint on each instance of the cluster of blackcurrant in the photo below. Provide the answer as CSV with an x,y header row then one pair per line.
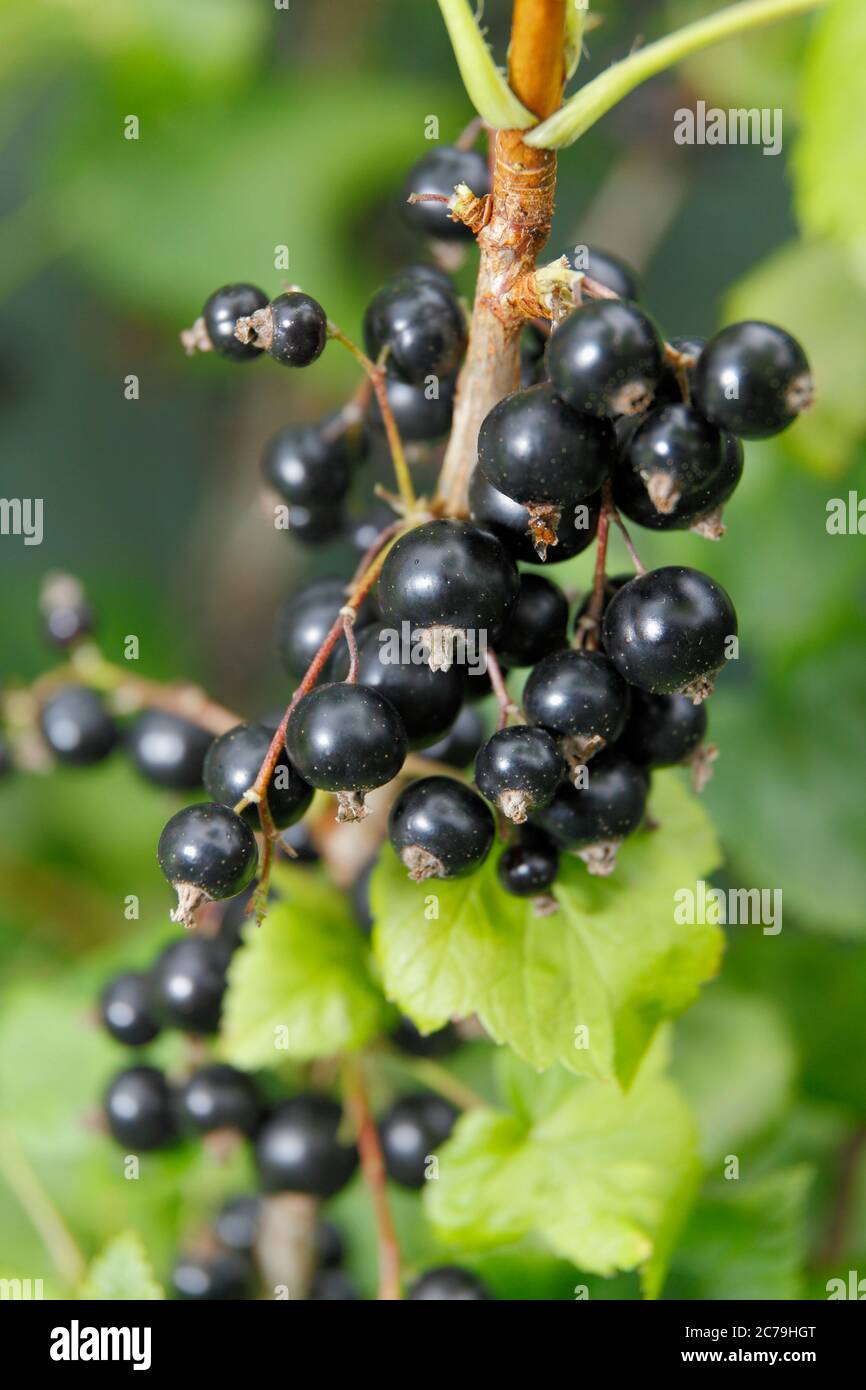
x,y
297,1141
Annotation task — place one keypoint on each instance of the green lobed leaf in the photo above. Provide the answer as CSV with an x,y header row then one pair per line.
x,y
745,1241
121,1270
605,1179
830,159
612,961
306,969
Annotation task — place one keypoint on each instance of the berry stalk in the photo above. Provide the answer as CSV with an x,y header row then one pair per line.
x,y
376,375
373,1169
517,228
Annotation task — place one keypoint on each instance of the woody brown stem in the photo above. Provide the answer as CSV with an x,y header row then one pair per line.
x,y
520,212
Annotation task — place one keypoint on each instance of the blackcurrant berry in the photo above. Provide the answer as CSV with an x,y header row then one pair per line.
x,y
333,1286
125,1009
77,727
593,819
537,625
364,531
139,1109
300,329
607,269
409,1132
299,1149
451,580
532,345
540,452
448,1282
421,324
519,769
677,455
528,868
606,358
420,412
306,467
427,701
670,390
231,766
510,522
220,1276
307,619
237,1224
346,739
188,983
753,379
667,631
206,852
439,172
578,696
313,526
441,1043
300,842
219,1097
460,745
66,614
330,1246
699,507
440,828
168,750
222,311
662,729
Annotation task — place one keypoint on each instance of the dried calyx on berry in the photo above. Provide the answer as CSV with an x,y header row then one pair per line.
x,y
293,328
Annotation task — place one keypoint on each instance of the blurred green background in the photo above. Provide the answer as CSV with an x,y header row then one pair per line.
x,y
261,127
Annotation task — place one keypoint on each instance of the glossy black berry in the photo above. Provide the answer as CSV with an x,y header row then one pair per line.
x,y
528,868
346,739
450,1283
677,455
440,1043
667,631
222,311
462,741
363,531
219,1276
306,620
451,576
608,808
168,750
330,1246
440,828
670,388
333,1286
312,526
420,412
532,345
427,701
662,730
605,268
66,615
439,172
421,324
753,379
509,521
696,506
232,764
519,769
219,1097
126,1011
237,1223
606,358
206,851
538,451
299,1148
139,1109
409,1132
537,625
579,696
300,329
188,982
306,467
77,727
300,841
